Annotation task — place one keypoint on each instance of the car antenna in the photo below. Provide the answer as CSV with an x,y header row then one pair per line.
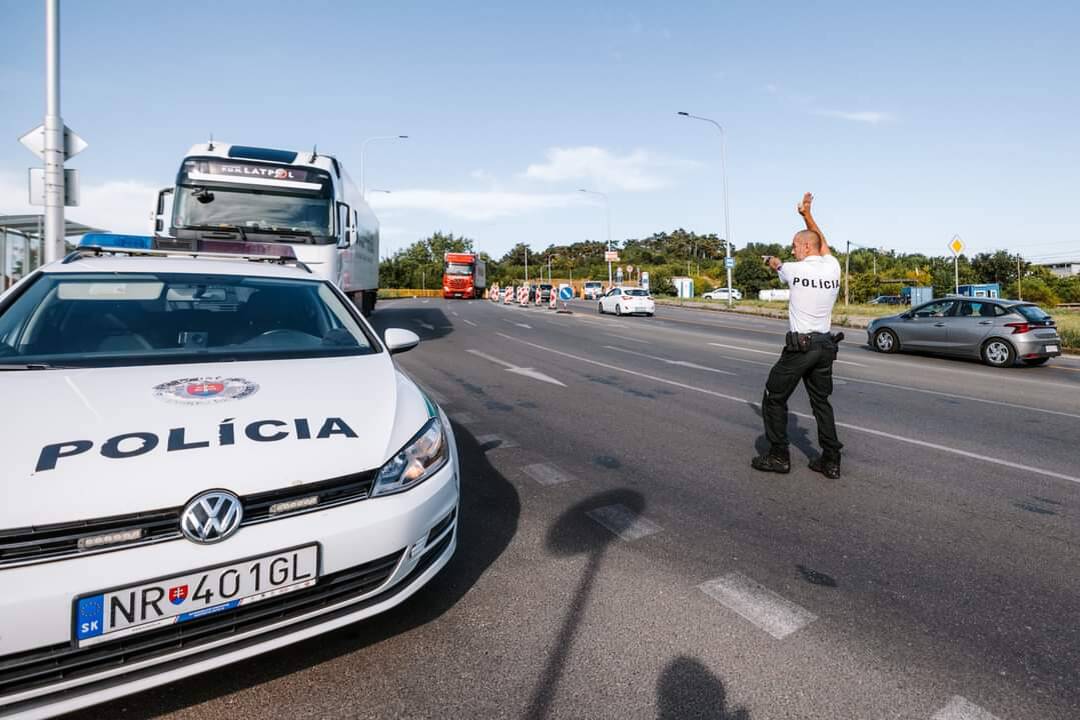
x,y
211,145
314,153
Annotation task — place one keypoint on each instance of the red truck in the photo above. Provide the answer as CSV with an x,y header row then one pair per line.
x,y
464,275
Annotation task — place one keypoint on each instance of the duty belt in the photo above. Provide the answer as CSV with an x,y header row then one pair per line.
x,y
801,342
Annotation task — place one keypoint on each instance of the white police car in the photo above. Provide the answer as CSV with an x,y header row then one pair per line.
x,y
204,459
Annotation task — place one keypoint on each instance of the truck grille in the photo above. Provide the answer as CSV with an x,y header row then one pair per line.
x,y
56,542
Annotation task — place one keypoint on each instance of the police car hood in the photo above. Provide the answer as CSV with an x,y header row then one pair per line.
x,y
90,443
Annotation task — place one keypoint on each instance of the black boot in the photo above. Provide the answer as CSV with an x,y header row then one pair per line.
x,y
771,463
827,466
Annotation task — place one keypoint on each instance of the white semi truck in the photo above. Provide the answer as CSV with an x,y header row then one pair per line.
x,y
252,194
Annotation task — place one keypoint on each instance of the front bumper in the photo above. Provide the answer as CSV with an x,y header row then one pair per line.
x,y
365,568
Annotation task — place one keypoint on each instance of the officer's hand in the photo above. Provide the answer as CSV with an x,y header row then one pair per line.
x,y
804,206
774,263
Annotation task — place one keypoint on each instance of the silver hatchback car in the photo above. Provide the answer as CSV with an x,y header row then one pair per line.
x,y
999,332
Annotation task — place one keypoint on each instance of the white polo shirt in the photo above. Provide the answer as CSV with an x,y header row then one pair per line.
x,y
814,284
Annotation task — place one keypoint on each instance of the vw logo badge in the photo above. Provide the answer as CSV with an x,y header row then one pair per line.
x,y
211,517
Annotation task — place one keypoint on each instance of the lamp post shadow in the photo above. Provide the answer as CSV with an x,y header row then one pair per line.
x,y
574,534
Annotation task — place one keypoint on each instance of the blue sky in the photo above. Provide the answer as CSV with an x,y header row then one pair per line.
x,y
909,121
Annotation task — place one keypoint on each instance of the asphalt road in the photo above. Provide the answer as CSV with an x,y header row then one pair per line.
x,y
619,558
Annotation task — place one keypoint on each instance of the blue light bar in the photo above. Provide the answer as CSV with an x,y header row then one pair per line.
x,y
253,153
109,240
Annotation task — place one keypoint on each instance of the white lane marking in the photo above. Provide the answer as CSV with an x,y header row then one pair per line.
x,y
624,522
496,441
772,613
524,371
434,394
527,327
681,363
628,339
454,313
547,474
959,708
464,418
427,326
424,302
773,353
1002,403
846,426
470,322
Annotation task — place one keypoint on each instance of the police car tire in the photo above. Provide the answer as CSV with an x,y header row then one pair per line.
x,y
993,348
892,347
600,308
618,310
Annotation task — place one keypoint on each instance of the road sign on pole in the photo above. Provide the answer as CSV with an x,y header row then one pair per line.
x,y
956,245
34,141
729,262
611,256
71,187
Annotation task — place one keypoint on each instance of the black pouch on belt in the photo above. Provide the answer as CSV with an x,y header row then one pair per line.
x,y
796,342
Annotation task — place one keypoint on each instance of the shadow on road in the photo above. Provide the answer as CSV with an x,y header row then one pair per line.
x,y
575,534
687,690
488,520
429,322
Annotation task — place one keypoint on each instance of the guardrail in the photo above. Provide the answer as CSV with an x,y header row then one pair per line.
x,y
388,293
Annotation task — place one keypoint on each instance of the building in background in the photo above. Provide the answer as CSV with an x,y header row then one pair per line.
x,y
1066,268
20,244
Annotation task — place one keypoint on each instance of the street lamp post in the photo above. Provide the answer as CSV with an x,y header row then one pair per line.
x,y
607,214
363,149
723,173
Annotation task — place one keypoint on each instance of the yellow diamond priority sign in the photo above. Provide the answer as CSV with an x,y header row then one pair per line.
x,y
956,245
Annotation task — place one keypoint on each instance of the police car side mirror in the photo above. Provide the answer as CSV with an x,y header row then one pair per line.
x,y
398,340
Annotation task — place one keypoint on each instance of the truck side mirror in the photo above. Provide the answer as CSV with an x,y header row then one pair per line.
x,y
160,210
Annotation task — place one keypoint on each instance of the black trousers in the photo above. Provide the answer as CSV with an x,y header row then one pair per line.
x,y
814,368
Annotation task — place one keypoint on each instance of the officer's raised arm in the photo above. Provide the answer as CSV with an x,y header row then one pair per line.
x,y
811,224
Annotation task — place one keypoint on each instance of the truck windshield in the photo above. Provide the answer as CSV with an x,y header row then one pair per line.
x,y
274,211
458,269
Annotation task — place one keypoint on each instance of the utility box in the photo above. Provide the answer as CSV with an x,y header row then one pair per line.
x,y
684,286
987,290
916,295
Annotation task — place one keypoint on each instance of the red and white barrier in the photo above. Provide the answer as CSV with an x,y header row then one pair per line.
x,y
554,297
509,296
523,295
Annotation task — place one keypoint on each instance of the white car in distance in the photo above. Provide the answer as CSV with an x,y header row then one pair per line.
x,y
207,459
722,294
624,300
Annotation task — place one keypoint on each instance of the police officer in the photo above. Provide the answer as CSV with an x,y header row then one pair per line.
x,y
809,350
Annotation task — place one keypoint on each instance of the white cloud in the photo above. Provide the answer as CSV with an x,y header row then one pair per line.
x,y
481,205
869,117
636,171
121,206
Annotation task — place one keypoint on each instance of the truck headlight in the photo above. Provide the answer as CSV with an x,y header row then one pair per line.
x,y
421,458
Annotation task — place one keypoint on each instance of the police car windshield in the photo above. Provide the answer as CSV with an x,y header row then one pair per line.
x,y
98,319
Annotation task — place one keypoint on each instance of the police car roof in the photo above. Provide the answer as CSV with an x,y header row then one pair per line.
x,y
179,264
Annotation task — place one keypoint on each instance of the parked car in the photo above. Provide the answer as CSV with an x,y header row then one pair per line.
x,y
593,290
722,294
887,300
241,466
627,301
545,292
999,332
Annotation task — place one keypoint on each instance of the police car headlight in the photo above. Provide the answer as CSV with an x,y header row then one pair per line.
x,y
420,459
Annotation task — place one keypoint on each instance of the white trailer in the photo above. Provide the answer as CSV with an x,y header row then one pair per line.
x,y
252,194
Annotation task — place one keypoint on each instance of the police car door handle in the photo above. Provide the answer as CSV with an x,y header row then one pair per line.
x,y
939,324
986,322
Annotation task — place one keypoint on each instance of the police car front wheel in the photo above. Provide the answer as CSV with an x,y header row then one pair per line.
x,y
885,341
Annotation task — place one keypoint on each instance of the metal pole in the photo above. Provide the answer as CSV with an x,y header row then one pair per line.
x,y
1019,280
956,271
526,264
847,274
54,137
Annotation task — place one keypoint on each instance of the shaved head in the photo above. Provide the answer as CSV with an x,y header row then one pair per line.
x,y
806,243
